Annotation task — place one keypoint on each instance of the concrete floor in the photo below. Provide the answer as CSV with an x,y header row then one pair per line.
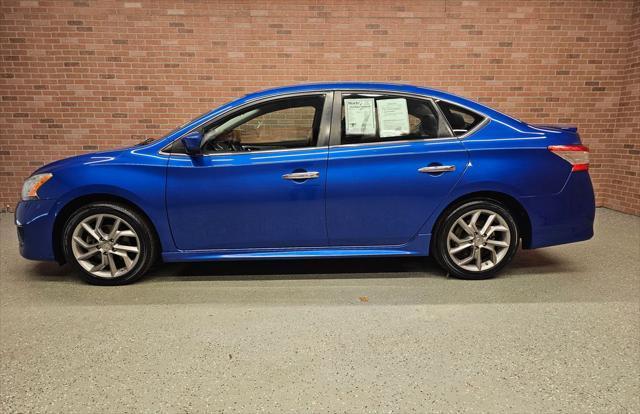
x,y
558,331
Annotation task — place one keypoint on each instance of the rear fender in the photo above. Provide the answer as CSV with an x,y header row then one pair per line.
x,y
463,189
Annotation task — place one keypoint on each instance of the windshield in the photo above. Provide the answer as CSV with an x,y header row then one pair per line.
x,y
150,140
220,109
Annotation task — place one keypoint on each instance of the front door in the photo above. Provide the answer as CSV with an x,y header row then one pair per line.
x,y
394,161
260,182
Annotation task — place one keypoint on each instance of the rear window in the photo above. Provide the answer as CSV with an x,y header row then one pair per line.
x,y
461,120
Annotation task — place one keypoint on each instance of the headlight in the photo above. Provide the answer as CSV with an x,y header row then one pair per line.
x,y
33,183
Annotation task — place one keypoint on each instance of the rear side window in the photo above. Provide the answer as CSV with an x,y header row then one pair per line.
x,y
369,118
461,120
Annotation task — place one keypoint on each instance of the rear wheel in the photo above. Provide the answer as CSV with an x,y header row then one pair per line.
x,y
109,243
476,239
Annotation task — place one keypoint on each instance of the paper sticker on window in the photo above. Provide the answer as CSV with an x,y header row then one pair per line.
x,y
393,117
359,116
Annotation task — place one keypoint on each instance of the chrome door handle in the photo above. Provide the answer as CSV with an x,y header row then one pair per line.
x,y
306,175
437,169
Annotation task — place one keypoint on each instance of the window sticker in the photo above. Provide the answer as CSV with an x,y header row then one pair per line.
x,y
359,116
393,117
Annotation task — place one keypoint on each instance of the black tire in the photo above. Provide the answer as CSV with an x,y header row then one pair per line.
x,y
439,245
147,243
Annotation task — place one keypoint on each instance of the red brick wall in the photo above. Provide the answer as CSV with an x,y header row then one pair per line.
x,y
79,76
620,186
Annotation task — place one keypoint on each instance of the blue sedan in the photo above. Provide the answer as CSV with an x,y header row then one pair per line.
x,y
309,171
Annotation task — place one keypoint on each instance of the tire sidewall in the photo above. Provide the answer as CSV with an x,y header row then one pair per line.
x,y
138,224
442,255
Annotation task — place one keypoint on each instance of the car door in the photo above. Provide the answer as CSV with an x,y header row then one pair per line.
x,y
389,167
260,182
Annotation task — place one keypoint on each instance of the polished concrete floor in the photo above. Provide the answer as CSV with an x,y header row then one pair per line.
x,y
558,331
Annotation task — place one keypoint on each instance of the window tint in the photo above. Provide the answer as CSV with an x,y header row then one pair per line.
x,y
283,124
381,118
461,120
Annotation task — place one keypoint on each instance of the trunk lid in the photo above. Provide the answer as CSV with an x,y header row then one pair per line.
x,y
557,127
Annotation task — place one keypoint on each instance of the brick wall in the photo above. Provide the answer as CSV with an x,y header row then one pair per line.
x,y
620,186
79,76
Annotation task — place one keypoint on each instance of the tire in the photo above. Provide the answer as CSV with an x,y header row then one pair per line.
x,y
104,255
497,245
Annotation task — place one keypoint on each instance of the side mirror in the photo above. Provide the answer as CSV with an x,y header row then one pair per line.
x,y
192,142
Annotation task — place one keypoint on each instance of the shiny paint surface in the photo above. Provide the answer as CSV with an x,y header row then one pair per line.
x,y
368,200
367,183
243,200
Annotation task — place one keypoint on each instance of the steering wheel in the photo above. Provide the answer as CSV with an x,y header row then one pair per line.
x,y
229,142
221,146
235,146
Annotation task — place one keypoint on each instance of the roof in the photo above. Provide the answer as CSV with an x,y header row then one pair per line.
x,y
328,86
375,86
354,86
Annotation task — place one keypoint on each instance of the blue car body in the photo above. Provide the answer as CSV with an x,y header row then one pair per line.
x,y
368,201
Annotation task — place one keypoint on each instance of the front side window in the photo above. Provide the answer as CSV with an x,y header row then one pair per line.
x,y
283,124
461,120
369,118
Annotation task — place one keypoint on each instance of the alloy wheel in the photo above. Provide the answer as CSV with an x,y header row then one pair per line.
x,y
105,245
478,240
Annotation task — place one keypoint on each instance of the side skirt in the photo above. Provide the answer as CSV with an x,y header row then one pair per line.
x,y
417,247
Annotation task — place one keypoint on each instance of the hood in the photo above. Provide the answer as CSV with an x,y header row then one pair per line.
x,y
93,157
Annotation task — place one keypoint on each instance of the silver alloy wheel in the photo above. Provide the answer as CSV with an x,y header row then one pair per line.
x,y
105,245
478,240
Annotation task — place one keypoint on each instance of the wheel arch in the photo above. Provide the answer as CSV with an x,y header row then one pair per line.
x,y
67,210
520,214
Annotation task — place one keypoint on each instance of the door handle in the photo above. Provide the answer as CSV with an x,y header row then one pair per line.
x,y
437,169
305,175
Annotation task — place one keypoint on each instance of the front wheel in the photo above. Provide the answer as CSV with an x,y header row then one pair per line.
x,y
476,240
109,243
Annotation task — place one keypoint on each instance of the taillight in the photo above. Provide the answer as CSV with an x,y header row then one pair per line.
x,y
576,155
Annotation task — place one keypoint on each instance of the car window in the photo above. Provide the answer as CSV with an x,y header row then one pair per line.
x,y
369,118
283,124
460,119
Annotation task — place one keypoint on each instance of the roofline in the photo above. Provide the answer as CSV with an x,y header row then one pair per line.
x,y
330,86
345,86
386,87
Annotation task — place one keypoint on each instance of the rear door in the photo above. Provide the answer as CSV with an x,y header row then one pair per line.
x,y
392,160
260,182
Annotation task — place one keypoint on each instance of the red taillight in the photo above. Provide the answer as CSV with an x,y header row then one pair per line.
x,y
576,155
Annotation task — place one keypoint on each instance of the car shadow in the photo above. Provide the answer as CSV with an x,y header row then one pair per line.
x,y
526,262
552,275
238,270
298,269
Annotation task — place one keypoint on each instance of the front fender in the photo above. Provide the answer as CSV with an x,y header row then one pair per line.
x,y
140,184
